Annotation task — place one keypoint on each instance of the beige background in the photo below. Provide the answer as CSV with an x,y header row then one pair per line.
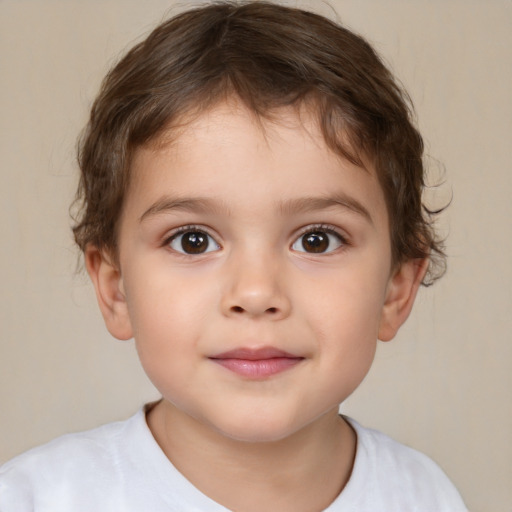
x,y
443,386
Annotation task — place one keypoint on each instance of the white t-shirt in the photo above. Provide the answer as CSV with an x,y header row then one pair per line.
x,y
119,467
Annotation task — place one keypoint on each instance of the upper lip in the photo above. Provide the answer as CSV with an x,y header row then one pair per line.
x,y
251,354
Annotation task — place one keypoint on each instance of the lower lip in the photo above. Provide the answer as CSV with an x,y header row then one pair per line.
x,y
259,368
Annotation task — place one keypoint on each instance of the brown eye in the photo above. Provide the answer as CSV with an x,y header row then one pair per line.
x,y
317,242
193,242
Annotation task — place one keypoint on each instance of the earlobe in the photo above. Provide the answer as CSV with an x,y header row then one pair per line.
x,y
401,293
108,284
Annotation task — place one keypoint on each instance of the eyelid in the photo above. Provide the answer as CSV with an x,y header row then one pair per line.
x,y
169,237
326,228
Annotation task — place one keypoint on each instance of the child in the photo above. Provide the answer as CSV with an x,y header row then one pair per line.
x,y
252,217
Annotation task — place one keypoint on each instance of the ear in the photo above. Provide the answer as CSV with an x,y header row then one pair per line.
x,y
108,283
402,288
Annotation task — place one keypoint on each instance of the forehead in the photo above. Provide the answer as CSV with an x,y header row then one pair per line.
x,y
230,152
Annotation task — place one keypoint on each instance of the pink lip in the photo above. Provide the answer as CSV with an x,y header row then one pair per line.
x,y
257,363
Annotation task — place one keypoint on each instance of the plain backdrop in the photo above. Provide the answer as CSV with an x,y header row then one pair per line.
x,y
443,386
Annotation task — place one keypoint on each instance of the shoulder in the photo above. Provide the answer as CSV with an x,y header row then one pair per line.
x,y
113,468
385,452
86,462
399,476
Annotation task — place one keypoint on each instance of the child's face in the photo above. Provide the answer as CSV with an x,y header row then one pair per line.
x,y
235,238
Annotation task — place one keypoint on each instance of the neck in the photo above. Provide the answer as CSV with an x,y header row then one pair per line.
x,y
303,472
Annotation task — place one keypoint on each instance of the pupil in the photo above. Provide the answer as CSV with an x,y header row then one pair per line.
x,y
194,242
315,242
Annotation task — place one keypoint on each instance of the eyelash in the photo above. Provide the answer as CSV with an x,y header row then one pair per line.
x,y
188,229
323,228
315,228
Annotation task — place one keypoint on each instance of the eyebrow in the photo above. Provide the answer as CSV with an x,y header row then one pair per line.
x,y
290,206
311,204
188,204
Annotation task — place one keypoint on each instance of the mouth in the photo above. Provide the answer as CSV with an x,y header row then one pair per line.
x,y
257,363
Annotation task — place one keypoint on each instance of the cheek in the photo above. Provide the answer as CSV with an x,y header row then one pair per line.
x,y
165,296
166,337
344,312
168,314
348,301
347,344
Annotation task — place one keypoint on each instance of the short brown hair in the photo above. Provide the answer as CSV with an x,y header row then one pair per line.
x,y
269,56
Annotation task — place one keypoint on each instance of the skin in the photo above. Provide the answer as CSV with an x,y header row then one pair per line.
x,y
254,188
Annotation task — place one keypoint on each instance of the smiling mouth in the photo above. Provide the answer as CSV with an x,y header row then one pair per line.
x,y
257,364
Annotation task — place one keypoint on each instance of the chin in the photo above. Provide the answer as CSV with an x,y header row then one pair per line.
x,y
256,429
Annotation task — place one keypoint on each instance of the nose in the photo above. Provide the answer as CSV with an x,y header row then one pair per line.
x,y
256,287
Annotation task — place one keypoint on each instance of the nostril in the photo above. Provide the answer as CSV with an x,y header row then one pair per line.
x,y
240,309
